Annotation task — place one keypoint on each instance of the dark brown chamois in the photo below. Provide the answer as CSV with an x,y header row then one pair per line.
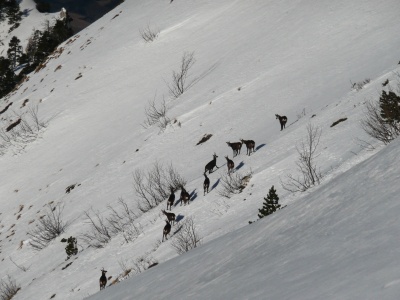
x,y
236,147
206,184
171,199
103,279
230,164
166,231
170,216
282,120
211,165
185,197
250,145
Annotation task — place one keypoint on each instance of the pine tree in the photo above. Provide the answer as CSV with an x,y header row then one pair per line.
x,y
72,246
270,204
14,51
8,79
390,107
13,13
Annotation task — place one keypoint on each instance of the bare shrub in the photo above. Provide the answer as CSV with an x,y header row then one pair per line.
x,y
378,127
179,82
156,115
49,227
187,237
8,288
120,220
233,184
99,234
28,130
309,175
124,222
359,85
153,187
148,34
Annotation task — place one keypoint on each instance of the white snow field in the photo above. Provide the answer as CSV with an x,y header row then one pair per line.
x,y
254,59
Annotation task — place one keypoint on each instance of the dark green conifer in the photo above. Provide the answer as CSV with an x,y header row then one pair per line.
x,y
270,204
390,107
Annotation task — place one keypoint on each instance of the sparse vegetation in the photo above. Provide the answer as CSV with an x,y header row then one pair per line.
x,y
156,115
8,288
382,120
180,82
233,184
306,166
187,237
148,34
49,227
359,85
153,187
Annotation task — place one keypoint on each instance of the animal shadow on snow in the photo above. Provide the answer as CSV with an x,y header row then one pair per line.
x,y
241,164
193,196
260,146
179,229
179,218
215,184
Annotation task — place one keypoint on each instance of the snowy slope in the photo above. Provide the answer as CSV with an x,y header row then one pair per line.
x,y
253,59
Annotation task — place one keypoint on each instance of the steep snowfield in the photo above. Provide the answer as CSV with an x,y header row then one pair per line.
x,y
253,59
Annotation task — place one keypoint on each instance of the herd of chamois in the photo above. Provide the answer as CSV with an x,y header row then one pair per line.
x,y
185,196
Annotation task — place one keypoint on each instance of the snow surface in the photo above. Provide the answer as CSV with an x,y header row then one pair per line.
x,y
253,59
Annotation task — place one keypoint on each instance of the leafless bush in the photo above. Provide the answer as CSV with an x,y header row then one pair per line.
x,y
359,85
49,227
179,82
187,237
376,126
148,34
233,184
156,115
124,221
8,288
142,263
309,174
25,132
99,234
153,187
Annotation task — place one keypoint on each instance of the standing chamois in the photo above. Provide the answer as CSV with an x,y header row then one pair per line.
x,y
171,199
250,145
170,216
166,231
230,164
236,147
282,120
211,165
185,196
206,184
103,279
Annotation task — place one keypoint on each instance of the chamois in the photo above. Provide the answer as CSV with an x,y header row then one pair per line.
x,y
206,184
166,231
103,279
230,164
250,145
236,147
210,166
171,199
170,216
282,120
185,197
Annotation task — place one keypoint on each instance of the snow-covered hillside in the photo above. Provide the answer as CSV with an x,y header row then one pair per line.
x,y
253,59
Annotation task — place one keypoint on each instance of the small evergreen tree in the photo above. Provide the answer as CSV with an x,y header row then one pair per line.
x,y
13,13
14,51
72,246
8,79
270,204
390,107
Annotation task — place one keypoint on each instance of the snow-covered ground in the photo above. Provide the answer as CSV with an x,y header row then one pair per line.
x,y
254,59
